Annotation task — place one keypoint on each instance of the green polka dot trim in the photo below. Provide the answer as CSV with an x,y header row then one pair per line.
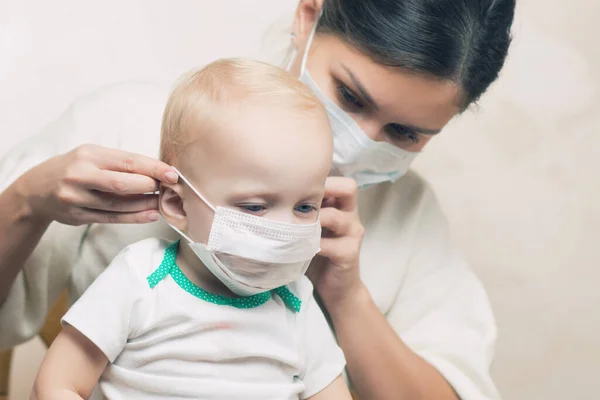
x,y
289,298
169,266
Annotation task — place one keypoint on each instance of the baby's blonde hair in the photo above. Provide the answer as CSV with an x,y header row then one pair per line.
x,y
224,83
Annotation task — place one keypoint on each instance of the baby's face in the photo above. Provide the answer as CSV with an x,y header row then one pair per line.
x,y
263,162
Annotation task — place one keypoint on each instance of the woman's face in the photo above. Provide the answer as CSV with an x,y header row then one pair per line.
x,y
388,103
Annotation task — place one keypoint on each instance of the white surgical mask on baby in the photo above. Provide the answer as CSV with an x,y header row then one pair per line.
x,y
251,254
355,155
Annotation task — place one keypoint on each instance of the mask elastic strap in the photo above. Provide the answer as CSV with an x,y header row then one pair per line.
x,y
291,61
183,235
183,178
308,44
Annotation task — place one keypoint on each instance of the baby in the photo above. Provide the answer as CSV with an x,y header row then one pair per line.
x,y
225,313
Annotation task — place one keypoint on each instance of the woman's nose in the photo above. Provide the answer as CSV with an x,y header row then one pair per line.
x,y
372,128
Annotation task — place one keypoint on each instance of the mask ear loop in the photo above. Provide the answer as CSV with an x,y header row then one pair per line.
x,y
187,182
176,229
183,178
308,44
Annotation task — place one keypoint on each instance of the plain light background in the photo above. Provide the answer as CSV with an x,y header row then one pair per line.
x,y
518,176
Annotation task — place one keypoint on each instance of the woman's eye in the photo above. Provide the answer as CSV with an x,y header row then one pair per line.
x,y
349,98
402,133
253,208
305,208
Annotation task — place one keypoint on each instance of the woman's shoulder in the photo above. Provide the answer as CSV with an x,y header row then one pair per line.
x,y
123,102
133,93
125,115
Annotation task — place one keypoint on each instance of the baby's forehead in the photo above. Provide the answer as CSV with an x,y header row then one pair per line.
x,y
261,139
267,124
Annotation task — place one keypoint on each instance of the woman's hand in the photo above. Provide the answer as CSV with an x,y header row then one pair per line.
x,y
335,270
94,184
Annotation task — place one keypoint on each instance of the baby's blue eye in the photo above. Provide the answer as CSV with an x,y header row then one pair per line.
x,y
253,207
305,208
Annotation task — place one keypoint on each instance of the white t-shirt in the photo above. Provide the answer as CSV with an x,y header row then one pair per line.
x,y
166,338
417,279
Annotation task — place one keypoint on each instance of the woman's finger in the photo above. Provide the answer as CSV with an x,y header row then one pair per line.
x,y
101,201
329,248
124,161
121,183
106,217
338,249
336,221
343,190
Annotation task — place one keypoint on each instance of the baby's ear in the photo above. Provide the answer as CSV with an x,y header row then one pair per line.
x,y
170,205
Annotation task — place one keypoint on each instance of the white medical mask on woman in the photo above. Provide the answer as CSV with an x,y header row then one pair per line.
x,y
251,254
355,155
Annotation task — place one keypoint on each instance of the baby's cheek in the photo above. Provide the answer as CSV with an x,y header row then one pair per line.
x,y
199,224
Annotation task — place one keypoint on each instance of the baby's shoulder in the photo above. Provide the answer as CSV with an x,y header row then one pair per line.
x,y
143,257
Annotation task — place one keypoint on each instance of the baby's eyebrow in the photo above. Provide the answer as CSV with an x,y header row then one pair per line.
x,y
239,195
313,194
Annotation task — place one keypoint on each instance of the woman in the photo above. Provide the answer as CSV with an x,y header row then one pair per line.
x,y
415,323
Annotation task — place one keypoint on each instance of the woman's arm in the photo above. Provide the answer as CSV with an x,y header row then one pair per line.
x,y
90,184
20,232
380,365
54,176
70,369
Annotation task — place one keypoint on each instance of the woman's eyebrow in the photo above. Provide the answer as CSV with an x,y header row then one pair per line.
x,y
422,130
363,92
367,97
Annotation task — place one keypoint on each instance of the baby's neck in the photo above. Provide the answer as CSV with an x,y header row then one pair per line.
x,y
196,271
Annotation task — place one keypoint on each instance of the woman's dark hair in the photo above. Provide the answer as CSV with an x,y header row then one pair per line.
x,y
465,41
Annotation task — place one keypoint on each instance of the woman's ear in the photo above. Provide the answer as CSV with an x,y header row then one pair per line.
x,y
306,17
170,205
